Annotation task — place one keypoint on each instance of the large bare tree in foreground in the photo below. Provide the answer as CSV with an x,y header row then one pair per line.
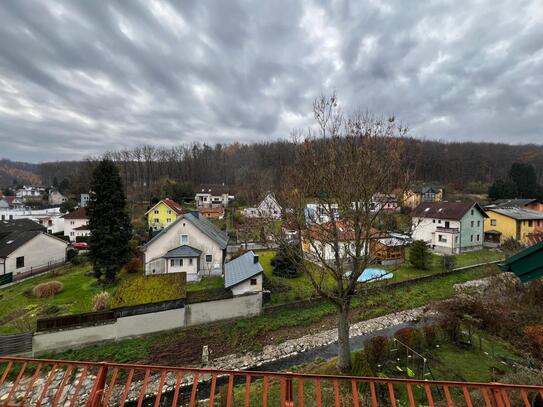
x,y
342,167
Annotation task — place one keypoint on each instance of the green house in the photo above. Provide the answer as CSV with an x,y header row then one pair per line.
x,y
527,264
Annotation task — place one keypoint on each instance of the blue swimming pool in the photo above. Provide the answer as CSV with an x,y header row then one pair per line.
x,y
374,274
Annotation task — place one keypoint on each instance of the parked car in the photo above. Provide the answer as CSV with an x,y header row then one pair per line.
x,y
80,246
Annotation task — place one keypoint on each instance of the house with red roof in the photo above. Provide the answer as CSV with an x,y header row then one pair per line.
x,y
76,225
163,214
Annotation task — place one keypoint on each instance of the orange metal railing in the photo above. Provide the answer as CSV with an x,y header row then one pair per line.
x,y
37,382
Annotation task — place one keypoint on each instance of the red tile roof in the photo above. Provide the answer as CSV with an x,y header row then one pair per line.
x,y
445,210
173,205
79,213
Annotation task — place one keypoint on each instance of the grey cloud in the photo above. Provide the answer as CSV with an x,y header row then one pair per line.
x,y
81,77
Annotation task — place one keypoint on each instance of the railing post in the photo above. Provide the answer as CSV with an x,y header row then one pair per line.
x,y
95,397
289,399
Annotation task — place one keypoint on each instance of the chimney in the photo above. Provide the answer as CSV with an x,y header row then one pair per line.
x,y
255,259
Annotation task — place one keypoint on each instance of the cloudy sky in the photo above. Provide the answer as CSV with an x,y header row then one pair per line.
x,y
82,77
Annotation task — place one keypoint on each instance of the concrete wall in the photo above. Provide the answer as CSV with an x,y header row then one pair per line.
x,y
40,251
206,312
137,325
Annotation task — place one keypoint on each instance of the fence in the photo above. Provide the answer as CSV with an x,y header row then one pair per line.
x,y
54,382
16,343
47,324
6,278
42,268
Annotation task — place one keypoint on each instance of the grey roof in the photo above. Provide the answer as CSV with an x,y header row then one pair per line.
x,y
241,269
12,241
203,224
511,203
518,213
13,225
183,251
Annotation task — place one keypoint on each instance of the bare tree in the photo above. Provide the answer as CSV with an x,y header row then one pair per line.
x,y
340,168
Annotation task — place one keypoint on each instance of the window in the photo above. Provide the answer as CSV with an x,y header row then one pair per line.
x,y
181,262
184,239
72,222
477,237
472,223
168,220
472,212
157,220
493,222
442,238
433,221
478,223
471,238
190,262
20,262
456,239
209,258
169,211
530,223
253,281
156,211
72,233
439,221
172,262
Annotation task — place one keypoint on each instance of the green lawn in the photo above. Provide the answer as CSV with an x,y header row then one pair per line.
x,y
274,327
206,283
75,297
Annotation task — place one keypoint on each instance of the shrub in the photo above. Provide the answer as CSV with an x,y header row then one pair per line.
x,y
101,301
534,333
70,254
431,335
405,335
51,309
451,326
287,262
419,255
377,350
47,289
134,266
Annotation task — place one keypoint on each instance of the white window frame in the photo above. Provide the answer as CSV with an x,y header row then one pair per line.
x,y
186,237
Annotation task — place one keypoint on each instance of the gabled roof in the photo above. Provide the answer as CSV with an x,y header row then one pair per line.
x,y
445,210
241,269
200,222
511,203
213,189
170,203
271,195
518,213
20,225
12,241
79,213
527,264
183,251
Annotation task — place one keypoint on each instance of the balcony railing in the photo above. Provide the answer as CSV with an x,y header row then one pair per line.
x,y
447,230
36,382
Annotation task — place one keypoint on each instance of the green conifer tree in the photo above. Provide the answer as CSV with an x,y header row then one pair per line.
x,y
419,255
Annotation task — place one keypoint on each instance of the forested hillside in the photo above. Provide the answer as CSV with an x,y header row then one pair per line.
x,y
255,168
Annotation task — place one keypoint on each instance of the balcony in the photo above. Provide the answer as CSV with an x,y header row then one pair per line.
x,y
443,229
37,382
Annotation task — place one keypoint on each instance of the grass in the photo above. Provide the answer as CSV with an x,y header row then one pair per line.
x,y
274,327
143,289
206,283
76,297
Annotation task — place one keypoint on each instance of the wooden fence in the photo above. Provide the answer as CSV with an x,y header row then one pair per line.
x,y
15,344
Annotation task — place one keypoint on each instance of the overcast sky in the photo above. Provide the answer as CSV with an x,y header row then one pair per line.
x,y
82,77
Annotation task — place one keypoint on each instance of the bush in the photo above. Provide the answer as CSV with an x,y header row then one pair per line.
x,y
287,262
134,266
405,335
51,310
70,254
419,255
451,326
534,334
47,289
377,351
101,301
431,335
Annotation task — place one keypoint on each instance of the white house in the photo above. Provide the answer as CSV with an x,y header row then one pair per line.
x,y
84,200
212,196
243,275
56,198
268,208
50,217
317,213
25,247
191,244
76,224
449,227
30,192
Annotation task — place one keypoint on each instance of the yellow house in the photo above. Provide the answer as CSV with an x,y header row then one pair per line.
x,y
163,214
524,225
414,197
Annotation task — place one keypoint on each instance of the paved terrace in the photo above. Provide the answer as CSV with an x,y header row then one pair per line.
x,y
41,382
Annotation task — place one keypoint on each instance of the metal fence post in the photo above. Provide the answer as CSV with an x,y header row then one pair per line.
x,y
95,397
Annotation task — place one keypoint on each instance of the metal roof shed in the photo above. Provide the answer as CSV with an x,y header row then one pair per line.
x,y
527,265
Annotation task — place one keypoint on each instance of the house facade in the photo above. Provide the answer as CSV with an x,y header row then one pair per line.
x,y
84,200
243,275
25,247
212,213
56,198
163,214
522,225
424,193
76,224
317,213
213,196
449,227
268,208
192,244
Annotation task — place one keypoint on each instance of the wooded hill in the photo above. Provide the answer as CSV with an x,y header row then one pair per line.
x,y
252,169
